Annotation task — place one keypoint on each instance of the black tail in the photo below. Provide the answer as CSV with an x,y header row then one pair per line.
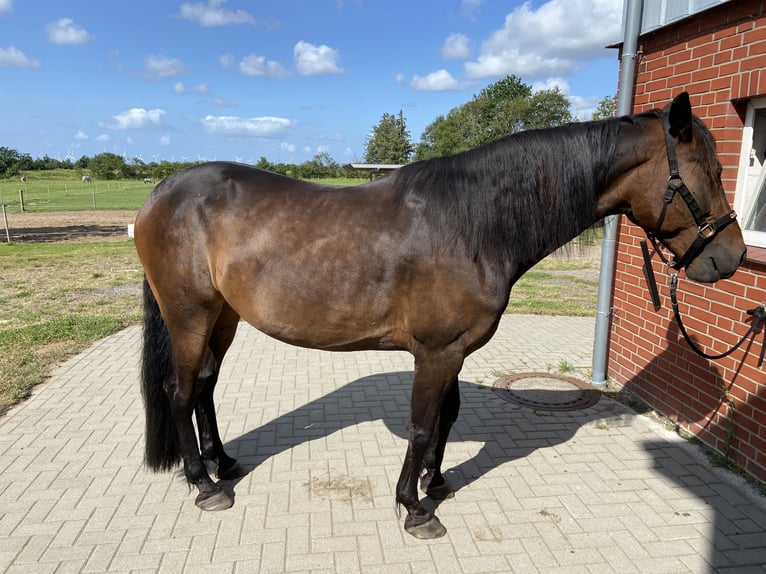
x,y
163,450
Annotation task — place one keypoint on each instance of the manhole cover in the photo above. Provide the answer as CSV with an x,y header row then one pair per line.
x,y
546,391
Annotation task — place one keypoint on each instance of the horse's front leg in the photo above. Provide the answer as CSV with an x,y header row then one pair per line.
x,y
435,373
433,482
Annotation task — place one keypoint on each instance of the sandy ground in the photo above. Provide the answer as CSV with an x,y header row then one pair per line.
x,y
67,226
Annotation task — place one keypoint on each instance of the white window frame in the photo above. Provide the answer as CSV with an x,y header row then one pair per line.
x,y
745,196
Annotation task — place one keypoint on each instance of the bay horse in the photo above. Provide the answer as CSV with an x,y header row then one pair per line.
x,y
421,260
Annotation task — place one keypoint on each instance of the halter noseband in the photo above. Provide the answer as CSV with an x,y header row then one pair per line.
x,y
706,229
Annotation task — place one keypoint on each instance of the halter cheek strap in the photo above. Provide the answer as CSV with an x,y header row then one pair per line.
x,y
706,229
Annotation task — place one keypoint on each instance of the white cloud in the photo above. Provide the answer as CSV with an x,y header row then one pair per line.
x,y
212,14
550,84
400,78
12,57
260,67
439,81
6,6
165,140
553,40
226,61
470,6
65,31
224,103
313,60
288,147
179,88
261,127
80,135
583,108
160,67
103,138
202,89
137,119
456,47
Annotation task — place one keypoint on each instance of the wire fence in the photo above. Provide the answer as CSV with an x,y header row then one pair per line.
x,y
73,196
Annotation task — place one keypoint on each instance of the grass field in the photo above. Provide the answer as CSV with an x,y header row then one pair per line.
x,y
56,298
70,194
64,190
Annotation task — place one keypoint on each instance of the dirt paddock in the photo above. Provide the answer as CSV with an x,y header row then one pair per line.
x,y
68,226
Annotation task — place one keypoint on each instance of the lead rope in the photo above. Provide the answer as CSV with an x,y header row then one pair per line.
x,y
757,325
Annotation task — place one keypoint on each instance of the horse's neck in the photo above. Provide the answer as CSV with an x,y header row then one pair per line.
x,y
634,149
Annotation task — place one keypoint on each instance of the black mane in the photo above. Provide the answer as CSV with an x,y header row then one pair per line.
x,y
527,193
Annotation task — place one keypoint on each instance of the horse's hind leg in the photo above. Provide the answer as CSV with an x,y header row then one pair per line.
x,y
211,445
432,482
189,334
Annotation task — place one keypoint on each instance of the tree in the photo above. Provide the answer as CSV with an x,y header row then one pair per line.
x,y
108,166
505,107
389,141
545,109
499,109
456,132
9,162
607,108
321,165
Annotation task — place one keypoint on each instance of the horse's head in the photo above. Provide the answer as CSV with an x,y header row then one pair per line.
x,y
680,200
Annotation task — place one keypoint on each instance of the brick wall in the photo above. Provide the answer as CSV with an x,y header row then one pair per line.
x,y
719,57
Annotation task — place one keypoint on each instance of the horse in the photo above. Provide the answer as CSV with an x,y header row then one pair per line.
x,y
86,179
421,260
148,180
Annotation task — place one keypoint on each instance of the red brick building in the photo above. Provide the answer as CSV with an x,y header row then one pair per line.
x,y
718,55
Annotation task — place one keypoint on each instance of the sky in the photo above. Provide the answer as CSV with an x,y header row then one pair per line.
x,y
281,79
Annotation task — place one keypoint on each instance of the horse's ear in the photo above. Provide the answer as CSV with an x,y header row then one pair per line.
x,y
680,117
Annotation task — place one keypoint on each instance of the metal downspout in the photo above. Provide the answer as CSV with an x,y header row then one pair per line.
x,y
633,15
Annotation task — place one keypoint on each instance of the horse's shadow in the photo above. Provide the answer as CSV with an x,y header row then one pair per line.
x,y
506,432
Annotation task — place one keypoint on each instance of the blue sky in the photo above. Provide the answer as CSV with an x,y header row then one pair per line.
x,y
284,79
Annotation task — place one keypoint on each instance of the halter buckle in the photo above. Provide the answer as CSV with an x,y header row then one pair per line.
x,y
706,231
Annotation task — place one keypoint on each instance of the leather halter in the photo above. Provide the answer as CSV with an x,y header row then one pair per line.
x,y
706,229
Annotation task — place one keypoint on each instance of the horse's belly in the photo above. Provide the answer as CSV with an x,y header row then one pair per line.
x,y
320,321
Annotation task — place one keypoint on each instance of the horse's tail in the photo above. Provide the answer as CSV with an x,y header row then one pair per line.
x,y
163,449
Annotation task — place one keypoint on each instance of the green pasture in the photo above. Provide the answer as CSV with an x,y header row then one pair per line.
x,y
41,195
64,190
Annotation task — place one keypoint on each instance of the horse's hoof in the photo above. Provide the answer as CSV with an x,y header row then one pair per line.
x,y
442,492
213,501
427,530
236,470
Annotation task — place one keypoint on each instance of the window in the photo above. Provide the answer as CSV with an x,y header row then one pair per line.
x,y
750,199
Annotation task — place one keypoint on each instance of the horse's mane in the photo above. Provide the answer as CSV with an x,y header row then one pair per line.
x,y
525,194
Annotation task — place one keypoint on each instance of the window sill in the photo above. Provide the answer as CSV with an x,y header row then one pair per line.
x,y
756,255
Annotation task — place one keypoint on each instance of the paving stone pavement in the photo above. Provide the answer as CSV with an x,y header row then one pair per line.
x,y
596,490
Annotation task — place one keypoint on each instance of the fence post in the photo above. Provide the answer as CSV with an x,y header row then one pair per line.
x,y
21,199
7,229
